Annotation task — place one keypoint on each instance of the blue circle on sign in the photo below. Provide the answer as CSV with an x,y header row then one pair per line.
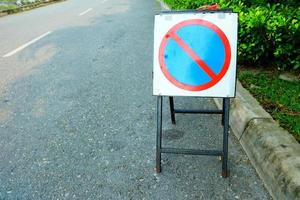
x,y
194,55
182,67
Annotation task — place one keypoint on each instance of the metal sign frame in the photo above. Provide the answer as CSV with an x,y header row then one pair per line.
x,y
225,122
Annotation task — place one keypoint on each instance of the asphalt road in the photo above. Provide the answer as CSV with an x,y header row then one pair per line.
x,y
77,115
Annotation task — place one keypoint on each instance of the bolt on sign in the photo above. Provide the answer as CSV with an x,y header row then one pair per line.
x,y
195,54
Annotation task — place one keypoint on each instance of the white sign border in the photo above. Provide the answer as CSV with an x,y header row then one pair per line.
x,y
227,22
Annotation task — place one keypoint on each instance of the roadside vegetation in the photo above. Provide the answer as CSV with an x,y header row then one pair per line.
x,y
8,7
269,33
7,4
13,6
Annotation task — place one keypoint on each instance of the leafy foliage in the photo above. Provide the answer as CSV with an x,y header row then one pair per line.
x,y
269,31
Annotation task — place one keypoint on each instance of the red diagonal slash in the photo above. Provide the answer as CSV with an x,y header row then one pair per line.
x,y
193,55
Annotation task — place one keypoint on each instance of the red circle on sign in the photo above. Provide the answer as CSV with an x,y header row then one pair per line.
x,y
216,78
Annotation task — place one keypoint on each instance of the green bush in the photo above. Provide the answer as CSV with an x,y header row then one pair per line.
x,y
269,31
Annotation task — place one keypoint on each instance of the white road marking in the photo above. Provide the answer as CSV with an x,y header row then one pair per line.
x,y
84,12
26,45
104,1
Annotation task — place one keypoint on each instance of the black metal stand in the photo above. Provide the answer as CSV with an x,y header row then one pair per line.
x,y
225,122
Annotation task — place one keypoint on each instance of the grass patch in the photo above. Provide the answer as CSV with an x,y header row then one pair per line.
x,y
280,98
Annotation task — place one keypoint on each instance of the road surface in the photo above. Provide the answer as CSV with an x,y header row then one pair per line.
x,y
78,119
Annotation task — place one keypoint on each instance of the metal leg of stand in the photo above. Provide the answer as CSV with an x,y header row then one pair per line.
x,y
226,104
159,134
223,109
171,100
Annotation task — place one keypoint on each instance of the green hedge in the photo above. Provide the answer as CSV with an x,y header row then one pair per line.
x,y
269,31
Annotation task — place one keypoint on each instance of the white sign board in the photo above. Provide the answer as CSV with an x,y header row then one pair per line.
x,y
195,54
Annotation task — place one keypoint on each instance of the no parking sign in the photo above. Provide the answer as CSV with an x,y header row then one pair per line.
x,y
195,54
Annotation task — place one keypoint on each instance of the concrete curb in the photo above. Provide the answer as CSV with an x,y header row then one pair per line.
x,y
274,153
163,5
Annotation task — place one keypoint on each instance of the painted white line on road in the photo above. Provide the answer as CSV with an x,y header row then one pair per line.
x,y
84,12
104,1
26,45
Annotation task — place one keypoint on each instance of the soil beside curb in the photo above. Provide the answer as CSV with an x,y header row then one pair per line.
x,y
274,153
